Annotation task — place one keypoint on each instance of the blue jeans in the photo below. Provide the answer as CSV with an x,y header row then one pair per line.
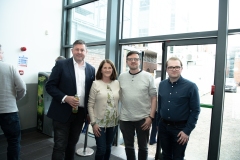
x,y
171,149
66,136
10,125
154,130
128,129
104,143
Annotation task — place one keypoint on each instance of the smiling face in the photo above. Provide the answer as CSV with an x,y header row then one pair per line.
x,y
133,62
79,52
106,70
174,70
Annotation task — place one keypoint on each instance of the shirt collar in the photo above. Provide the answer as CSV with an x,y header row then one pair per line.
x,y
135,73
74,63
178,81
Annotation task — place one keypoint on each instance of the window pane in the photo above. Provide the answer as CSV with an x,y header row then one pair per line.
x,y
230,141
161,17
88,22
234,13
151,60
73,1
94,56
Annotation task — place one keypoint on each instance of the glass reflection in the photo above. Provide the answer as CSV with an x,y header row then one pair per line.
x,y
233,14
230,141
88,22
150,18
94,56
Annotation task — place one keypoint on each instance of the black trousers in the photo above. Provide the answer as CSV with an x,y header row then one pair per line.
x,y
66,136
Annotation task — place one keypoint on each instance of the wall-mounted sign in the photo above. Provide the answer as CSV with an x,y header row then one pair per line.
x,y
22,60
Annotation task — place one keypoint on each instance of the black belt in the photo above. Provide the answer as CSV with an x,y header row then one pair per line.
x,y
173,123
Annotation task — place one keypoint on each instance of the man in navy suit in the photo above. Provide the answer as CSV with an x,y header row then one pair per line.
x,y
68,78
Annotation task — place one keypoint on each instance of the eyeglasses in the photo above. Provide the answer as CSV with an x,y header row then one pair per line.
x,y
172,68
131,59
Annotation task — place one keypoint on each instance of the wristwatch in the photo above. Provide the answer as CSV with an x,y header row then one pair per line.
x,y
151,118
93,123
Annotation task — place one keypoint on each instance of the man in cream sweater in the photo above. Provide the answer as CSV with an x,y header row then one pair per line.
x,y
139,100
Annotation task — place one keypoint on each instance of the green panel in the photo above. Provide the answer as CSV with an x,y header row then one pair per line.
x,y
206,105
42,79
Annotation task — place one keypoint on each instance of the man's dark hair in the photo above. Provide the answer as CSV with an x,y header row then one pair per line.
x,y
114,71
60,58
132,52
79,42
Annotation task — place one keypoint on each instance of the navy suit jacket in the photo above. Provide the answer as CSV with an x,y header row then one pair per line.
x,y
62,82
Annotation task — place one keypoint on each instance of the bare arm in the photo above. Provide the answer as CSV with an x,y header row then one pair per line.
x,y
153,106
147,124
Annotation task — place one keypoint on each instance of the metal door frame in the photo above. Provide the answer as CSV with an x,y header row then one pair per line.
x,y
219,81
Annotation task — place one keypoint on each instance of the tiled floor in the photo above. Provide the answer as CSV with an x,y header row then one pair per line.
x,y
34,145
38,146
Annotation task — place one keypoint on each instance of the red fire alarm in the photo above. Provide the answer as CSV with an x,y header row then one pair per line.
x,y
23,48
212,89
21,72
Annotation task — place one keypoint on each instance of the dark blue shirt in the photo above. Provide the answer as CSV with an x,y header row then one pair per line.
x,y
179,101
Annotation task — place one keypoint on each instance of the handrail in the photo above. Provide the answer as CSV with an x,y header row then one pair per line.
x,y
206,105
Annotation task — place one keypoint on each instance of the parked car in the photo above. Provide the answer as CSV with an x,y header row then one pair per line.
x,y
230,85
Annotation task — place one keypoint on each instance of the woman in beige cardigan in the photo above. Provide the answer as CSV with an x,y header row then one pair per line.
x,y
103,108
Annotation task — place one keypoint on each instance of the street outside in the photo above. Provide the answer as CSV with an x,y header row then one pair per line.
x,y
197,148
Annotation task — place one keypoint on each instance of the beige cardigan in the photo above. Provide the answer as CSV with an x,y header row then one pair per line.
x,y
98,98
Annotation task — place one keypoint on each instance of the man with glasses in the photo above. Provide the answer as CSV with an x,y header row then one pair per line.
x,y
139,98
178,111
12,89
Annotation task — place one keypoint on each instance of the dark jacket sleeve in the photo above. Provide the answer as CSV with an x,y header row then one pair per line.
x,y
61,82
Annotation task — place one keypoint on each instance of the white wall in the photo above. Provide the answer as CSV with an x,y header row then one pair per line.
x,y
23,24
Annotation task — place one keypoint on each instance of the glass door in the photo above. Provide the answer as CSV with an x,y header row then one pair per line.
x,y
230,141
198,58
